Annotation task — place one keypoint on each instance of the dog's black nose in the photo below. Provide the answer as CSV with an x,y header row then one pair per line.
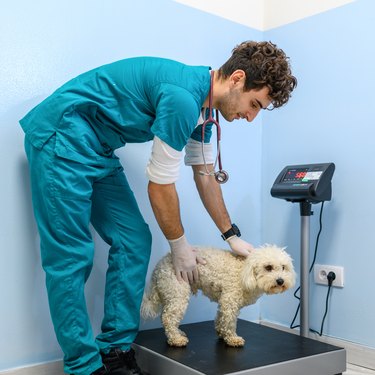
x,y
280,281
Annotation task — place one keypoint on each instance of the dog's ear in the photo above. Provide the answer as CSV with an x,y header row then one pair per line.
x,y
249,274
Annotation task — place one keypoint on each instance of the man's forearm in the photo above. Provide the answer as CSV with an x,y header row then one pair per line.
x,y
165,204
212,198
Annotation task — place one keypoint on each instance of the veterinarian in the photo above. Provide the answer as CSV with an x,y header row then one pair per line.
x,y
76,178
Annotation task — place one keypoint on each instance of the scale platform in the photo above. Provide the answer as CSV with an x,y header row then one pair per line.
x,y
267,351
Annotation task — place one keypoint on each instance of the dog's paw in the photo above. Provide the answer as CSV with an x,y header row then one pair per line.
x,y
179,341
182,333
235,341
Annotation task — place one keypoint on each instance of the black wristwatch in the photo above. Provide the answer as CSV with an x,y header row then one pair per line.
x,y
234,231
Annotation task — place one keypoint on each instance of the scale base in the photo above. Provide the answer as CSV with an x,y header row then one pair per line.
x,y
267,351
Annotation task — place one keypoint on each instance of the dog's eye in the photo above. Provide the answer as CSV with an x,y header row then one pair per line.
x,y
268,268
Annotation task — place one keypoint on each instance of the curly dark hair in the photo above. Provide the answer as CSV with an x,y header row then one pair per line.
x,y
264,65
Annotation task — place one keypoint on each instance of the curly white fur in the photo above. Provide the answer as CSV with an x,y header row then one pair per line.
x,y
231,281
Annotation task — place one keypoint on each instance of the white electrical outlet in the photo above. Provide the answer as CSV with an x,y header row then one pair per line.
x,y
321,271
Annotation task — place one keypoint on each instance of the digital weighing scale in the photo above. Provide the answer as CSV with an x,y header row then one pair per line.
x,y
305,184
267,351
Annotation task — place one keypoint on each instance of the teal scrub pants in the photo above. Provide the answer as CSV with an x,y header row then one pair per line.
x,y
67,196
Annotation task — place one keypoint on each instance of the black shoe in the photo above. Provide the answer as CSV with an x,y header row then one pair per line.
x,y
100,371
121,363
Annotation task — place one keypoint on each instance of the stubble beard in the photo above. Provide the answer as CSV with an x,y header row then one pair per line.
x,y
228,104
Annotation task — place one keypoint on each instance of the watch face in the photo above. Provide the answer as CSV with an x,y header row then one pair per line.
x,y
236,230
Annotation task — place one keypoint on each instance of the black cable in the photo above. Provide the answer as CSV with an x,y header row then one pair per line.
x,y
330,277
311,267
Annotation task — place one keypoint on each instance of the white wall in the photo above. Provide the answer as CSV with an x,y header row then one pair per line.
x,y
45,43
264,14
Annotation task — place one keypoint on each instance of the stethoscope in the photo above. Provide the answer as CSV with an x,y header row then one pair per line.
x,y
221,176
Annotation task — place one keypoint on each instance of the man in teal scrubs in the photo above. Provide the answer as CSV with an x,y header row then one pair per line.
x,y
76,178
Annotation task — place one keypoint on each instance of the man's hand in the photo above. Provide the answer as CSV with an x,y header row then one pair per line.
x,y
185,260
240,247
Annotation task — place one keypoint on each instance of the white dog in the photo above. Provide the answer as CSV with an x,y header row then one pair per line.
x,y
231,281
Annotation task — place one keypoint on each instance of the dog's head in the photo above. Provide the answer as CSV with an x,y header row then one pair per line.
x,y
270,269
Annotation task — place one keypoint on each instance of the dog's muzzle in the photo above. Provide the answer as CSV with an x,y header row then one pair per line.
x,y
279,281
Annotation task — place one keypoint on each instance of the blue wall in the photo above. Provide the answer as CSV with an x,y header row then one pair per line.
x,y
330,119
43,44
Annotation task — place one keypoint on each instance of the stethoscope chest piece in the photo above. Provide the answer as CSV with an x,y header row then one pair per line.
x,y
221,177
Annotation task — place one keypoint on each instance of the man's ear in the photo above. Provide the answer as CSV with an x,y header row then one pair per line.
x,y
237,76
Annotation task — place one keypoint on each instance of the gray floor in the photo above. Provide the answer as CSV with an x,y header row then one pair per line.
x,y
355,370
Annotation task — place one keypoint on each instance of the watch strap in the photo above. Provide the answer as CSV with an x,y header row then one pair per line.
x,y
233,231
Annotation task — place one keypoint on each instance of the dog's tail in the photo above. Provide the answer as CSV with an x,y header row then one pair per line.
x,y
151,304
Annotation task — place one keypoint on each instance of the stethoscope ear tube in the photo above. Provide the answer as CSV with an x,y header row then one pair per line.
x,y
220,176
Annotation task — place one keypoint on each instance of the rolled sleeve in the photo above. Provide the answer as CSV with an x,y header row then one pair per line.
x,y
164,164
197,153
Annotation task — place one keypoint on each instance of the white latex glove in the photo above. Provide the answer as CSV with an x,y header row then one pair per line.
x,y
185,260
240,247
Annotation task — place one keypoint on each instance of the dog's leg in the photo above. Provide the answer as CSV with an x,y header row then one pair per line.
x,y
173,312
226,322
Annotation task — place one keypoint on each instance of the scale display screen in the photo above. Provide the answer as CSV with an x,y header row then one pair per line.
x,y
297,175
304,182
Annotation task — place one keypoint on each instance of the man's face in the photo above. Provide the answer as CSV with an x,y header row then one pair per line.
x,y
237,104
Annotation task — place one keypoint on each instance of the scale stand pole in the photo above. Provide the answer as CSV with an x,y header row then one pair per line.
x,y
305,209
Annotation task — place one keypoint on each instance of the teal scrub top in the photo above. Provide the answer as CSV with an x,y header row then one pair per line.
x,y
128,101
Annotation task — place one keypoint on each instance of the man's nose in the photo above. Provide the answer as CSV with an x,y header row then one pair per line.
x,y
250,116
